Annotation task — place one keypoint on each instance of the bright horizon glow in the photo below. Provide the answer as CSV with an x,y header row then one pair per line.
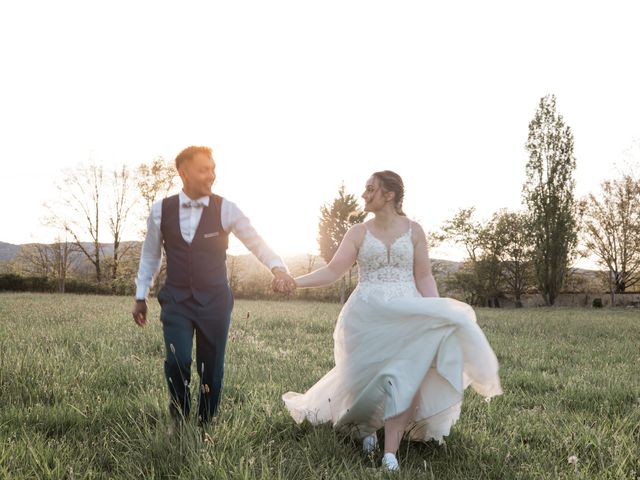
x,y
295,98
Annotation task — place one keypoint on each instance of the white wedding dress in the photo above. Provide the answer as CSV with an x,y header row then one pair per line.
x,y
391,343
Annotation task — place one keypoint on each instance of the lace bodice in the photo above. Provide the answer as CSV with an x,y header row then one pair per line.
x,y
386,273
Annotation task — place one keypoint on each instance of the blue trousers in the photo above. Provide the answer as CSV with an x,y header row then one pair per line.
x,y
210,323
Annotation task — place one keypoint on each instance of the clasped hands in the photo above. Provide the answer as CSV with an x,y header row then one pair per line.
x,y
282,282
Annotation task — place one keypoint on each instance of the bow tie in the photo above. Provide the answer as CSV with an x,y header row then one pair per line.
x,y
193,204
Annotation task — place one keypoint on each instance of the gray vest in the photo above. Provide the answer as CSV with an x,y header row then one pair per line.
x,y
199,268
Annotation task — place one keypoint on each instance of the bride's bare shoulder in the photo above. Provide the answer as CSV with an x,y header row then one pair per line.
x,y
415,226
357,232
417,233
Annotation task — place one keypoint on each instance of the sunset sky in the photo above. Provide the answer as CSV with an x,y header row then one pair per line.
x,y
296,97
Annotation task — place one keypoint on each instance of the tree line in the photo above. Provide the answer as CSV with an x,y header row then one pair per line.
x,y
94,209
512,254
531,250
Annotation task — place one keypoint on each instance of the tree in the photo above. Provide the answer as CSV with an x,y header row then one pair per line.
x,y
492,242
121,203
498,256
155,181
80,208
548,195
463,230
47,260
33,259
335,219
479,276
311,261
611,229
64,255
515,257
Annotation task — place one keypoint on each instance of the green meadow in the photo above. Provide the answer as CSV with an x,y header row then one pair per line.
x,y
82,395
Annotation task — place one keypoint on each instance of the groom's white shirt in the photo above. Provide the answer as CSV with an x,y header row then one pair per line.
x,y
233,221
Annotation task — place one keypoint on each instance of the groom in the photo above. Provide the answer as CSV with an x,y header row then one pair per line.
x,y
193,227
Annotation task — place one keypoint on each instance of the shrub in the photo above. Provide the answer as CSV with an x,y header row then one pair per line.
x,y
12,282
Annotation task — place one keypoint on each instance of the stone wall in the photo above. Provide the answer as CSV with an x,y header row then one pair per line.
x,y
578,300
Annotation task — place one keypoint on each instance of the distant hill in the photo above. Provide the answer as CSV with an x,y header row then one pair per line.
x,y
297,263
8,251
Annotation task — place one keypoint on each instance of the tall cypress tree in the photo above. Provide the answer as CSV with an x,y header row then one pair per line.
x,y
335,219
548,195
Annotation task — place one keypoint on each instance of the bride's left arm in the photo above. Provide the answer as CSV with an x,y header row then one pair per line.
x,y
425,282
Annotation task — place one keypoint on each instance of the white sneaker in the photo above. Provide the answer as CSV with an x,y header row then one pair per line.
x,y
390,462
370,443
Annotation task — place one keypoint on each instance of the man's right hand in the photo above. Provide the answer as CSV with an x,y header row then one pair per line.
x,y
139,312
282,282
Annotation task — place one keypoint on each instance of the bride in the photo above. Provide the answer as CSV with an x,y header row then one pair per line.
x,y
403,356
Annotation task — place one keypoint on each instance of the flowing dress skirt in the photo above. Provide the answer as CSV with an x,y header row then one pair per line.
x,y
386,352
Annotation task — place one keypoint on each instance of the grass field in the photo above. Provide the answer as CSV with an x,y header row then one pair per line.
x,y
82,395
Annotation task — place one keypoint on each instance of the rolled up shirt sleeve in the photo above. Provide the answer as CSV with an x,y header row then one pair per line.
x,y
151,256
236,222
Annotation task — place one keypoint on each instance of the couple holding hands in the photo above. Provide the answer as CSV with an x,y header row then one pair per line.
x,y
403,355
